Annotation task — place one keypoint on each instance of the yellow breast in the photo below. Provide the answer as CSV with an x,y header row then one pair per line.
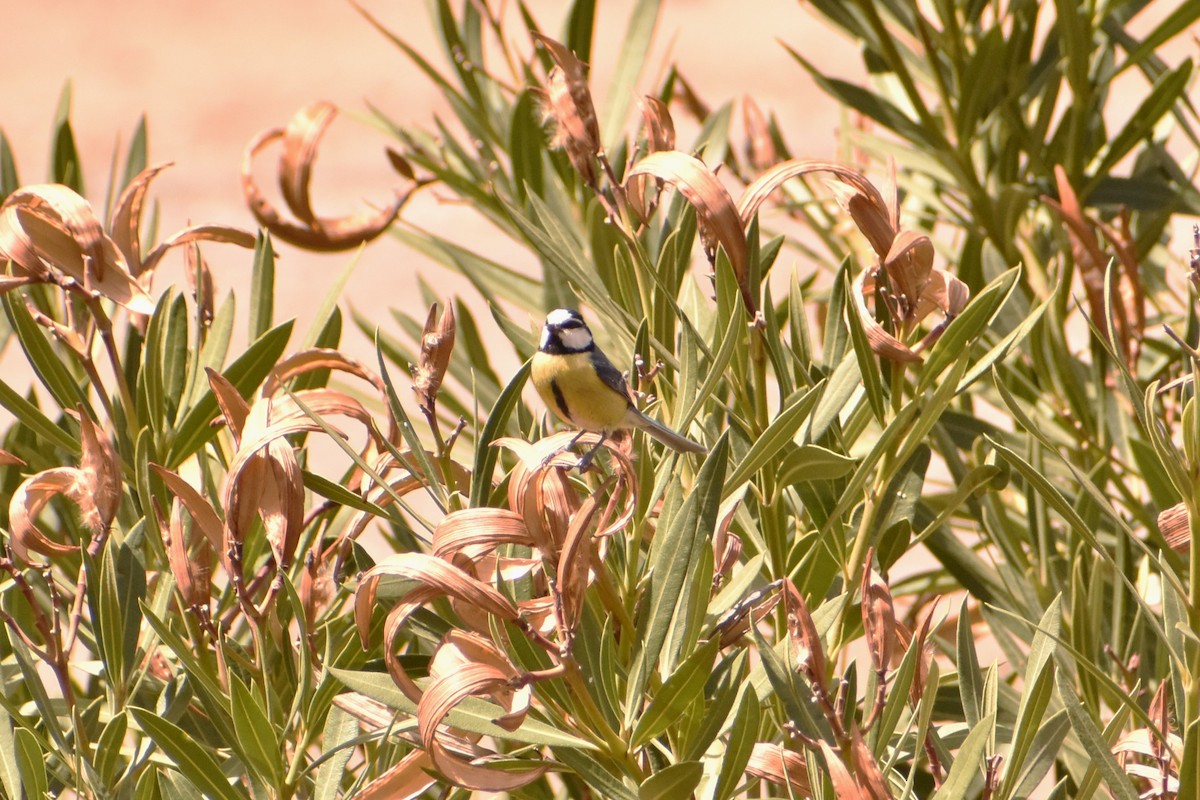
x,y
570,386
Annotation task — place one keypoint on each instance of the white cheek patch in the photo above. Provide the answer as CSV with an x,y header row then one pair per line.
x,y
546,337
558,316
575,339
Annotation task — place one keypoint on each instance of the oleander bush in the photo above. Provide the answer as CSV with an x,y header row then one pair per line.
x,y
939,546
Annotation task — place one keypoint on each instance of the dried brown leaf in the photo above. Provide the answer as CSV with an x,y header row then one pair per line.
x,y
1173,524
200,509
433,577
437,344
844,785
223,234
807,647
190,566
657,122
407,779
300,141
7,459
866,769
879,619
760,145
773,763
476,531
233,406
569,103
443,694
882,343
31,497
101,472
48,227
716,212
126,219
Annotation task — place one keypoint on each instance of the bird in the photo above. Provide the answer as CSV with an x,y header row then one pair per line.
x,y
580,384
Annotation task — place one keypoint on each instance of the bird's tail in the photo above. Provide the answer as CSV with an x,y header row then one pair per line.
x,y
664,434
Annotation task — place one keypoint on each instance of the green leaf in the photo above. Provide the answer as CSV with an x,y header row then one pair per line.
x,y
10,773
967,761
31,416
622,85
31,763
340,729
670,560
121,592
196,763
1039,687
868,365
47,364
970,688
526,143
1047,745
246,374
108,760
257,740
670,783
677,693
340,494
138,154
963,331
603,780
65,167
743,735
1163,96
1093,741
10,181
497,421
262,287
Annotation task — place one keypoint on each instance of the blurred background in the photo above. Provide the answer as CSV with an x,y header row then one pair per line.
x,y
210,78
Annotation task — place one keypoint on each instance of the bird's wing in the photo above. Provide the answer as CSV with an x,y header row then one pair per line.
x,y
611,376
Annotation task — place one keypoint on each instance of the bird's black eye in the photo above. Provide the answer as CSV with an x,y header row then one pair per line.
x,y
571,324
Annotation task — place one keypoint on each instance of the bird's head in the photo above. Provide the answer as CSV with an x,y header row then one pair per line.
x,y
565,332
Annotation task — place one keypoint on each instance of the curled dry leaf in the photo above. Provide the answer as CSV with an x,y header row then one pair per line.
x,y
191,562
200,509
447,691
50,232
569,104
264,480
301,139
914,288
475,532
760,145
28,501
428,576
94,487
716,214
879,619
101,473
771,762
1129,314
1173,524
866,769
7,459
407,779
844,785
807,648
437,343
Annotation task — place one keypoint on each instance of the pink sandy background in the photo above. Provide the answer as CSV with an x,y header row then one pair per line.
x,y
209,76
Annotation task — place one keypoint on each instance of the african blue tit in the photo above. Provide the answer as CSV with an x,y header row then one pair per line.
x,y
578,382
